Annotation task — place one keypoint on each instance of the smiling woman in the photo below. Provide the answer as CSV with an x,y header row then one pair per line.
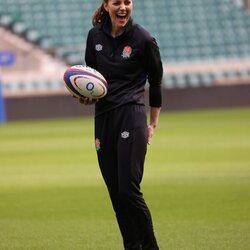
x,y
119,12
127,56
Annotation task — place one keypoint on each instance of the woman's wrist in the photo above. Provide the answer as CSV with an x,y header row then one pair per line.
x,y
153,126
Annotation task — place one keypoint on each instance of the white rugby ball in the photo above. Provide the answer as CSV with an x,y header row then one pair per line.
x,y
83,81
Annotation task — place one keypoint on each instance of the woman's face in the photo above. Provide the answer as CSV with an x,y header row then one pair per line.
x,y
119,11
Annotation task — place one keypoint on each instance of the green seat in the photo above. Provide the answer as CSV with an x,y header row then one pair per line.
x,y
185,30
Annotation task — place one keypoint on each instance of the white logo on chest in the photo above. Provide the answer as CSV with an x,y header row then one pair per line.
x,y
98,47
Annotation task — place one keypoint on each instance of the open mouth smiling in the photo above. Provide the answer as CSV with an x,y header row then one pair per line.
x,y
121,16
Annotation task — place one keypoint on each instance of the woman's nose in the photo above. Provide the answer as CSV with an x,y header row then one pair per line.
x,y
122,6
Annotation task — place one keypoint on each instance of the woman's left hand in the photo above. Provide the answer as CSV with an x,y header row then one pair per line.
x,y
150,133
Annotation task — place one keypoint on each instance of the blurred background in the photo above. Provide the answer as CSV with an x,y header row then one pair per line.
x,y
205,47
197,173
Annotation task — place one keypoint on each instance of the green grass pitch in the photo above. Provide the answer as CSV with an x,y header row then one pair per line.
x,y
196,183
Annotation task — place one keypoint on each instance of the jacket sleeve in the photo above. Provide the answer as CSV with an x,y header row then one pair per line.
x,y
90,56
154,71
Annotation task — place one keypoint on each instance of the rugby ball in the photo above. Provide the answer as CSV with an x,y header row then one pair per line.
x,y
83,81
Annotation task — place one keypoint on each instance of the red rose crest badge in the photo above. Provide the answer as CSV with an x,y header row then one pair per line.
x,y
97,144
127,51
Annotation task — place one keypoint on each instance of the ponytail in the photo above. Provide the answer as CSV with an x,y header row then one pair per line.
x,y
99,15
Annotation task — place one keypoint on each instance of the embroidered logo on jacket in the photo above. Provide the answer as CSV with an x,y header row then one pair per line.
x,y
125,134
97,144
127,51
98,47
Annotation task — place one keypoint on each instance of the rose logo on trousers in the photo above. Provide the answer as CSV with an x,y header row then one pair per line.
x,y
125,134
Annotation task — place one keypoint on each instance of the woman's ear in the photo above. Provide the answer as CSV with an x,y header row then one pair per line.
x,y
105,6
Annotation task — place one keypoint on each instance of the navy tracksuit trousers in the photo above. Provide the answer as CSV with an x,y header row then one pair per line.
x,y
121,144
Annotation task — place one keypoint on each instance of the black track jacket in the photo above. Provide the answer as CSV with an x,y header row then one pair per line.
x,y
126,62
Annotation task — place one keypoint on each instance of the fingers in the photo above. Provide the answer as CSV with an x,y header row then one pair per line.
x,y
86,100
150,133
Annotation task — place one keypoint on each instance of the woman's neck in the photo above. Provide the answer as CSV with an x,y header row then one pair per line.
x,y
116,31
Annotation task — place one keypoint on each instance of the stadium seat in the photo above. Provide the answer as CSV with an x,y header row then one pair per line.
x,y
186,30
187,26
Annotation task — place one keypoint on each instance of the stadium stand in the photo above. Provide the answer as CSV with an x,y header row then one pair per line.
x,y
202,42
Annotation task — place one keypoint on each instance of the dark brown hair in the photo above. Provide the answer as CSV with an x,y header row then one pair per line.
x,y
100,14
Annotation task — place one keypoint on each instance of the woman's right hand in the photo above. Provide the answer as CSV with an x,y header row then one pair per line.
x,y
88,101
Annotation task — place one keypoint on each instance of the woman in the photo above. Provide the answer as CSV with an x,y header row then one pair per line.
x,y
127,56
